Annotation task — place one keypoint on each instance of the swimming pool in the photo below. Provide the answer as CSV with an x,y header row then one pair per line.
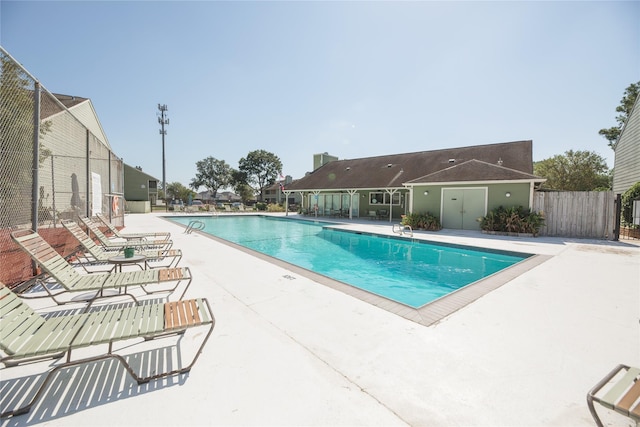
x,y
411,272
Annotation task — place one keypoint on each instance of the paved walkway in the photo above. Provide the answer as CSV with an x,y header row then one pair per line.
x,y
288,351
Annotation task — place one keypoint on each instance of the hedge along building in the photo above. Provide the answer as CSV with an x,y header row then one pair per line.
x,y
457,185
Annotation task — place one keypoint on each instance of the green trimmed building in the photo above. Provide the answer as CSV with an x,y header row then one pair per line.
x,y
457,185
140,190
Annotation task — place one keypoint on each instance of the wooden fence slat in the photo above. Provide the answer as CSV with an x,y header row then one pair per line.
x,y
586,214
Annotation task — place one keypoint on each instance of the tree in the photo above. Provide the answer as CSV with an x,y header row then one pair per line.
x,y
240,186
212,174
17,104
244,191
261,168
175,190
574,171
626,104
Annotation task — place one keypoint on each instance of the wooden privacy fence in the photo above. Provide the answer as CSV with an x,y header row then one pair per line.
x,y
586,214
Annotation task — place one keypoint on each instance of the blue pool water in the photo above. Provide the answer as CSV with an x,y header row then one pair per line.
x,y
410,272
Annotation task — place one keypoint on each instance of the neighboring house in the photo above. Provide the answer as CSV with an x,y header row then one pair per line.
x,y
227,197
221,197
206,196
458,185
626,169
274,193
140,189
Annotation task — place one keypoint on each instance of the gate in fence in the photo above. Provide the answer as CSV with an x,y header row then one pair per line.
x,y
583,214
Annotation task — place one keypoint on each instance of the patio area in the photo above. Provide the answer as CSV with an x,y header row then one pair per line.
x,y
289,351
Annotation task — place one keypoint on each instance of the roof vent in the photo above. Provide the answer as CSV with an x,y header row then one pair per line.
x,y
500,161
452,160
389,165
348,168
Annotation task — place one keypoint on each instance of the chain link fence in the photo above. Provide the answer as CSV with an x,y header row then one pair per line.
x,y
54,164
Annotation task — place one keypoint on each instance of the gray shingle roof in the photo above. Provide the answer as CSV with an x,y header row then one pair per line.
x,y
395,169
475,170
50,105
69,100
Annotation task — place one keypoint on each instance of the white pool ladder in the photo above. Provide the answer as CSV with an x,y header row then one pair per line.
x,y
194,224
402,229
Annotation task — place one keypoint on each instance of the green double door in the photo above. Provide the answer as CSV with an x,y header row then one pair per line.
x,y
461,207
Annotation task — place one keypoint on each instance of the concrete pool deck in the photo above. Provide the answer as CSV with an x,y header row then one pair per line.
x,y
287,350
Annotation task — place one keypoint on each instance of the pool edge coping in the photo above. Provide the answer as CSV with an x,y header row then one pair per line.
x,y
426,315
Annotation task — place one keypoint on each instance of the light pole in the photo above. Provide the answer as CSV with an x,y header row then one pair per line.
x,y
163,121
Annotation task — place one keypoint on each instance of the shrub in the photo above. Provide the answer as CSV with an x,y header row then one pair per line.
x,y
627,199
272,207
512,220
422,221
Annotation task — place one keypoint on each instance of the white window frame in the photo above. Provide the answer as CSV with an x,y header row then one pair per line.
x,y
384,196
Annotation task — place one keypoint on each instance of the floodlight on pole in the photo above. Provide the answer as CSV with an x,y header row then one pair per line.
x,y
163,120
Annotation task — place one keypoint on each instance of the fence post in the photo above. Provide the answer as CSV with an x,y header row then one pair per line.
x,y
618,213
87,174
35,164
36,155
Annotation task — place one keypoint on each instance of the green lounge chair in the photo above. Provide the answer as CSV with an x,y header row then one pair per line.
x,y
122,243
622,395
131,236
70,280
95,254
25,336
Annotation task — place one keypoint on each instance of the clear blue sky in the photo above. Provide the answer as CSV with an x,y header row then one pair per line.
x,y
355,79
